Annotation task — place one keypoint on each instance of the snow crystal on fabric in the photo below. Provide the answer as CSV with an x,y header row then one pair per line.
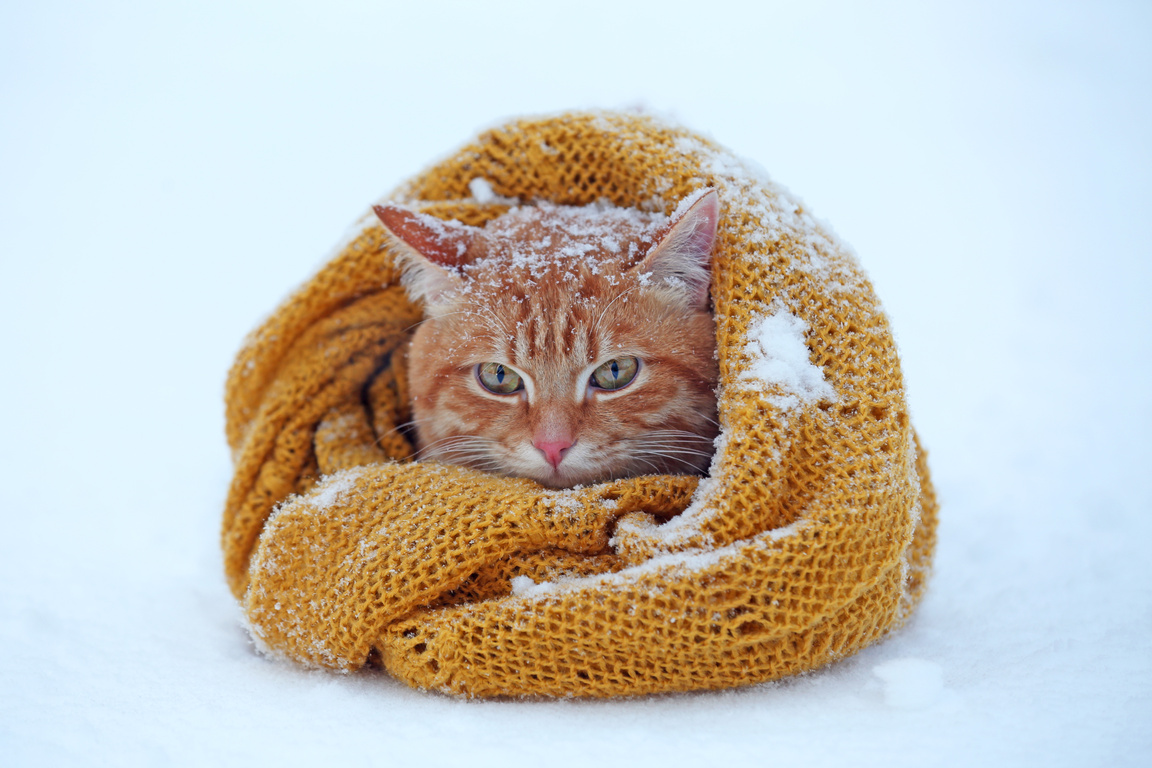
x,y
778,362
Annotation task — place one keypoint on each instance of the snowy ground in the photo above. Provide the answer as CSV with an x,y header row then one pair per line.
x,y
169,171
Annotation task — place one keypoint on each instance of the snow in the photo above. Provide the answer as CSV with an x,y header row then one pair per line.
x,y
524,585
483,193
988,162
332,490
777,360
530,241
481,190
910,683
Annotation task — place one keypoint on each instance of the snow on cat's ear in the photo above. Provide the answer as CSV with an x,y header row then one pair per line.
x,y
431,251
683,257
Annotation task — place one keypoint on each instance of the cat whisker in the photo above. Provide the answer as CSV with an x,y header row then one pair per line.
x,y
662,451
679,438
415,423
671,433
675,447
670,443
459,452
656,469
622,294
672,439
399,427
656,450
475,452
456,441
438,317
493,321
673,457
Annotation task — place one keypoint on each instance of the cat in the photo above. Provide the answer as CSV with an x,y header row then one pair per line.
x,y
570,345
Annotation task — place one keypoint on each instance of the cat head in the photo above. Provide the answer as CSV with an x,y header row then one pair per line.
x,y
565,344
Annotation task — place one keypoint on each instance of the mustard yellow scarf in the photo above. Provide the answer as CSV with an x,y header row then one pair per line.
x,y
811,537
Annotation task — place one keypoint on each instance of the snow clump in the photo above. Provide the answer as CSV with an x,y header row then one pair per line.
x,y
778,358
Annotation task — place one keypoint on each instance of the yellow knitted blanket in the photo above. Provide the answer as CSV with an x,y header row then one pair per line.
x,y
811,537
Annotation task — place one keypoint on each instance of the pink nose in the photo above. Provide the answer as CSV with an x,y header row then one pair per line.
x,y
553,451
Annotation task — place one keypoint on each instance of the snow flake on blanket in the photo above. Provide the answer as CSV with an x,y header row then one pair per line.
x,y
778,362
334,488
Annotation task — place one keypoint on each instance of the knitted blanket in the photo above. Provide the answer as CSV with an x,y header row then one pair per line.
x,y
810,538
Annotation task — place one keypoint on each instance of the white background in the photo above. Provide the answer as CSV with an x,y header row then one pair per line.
x,y
170,171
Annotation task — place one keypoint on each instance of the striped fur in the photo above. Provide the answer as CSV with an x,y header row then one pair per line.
x,y
553,292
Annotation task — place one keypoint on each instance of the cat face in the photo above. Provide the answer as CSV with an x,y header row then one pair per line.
x,y
567,345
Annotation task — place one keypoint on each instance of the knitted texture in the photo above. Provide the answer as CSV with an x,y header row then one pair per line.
x,y
811,537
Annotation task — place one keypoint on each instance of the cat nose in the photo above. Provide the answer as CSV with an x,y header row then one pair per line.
x,y
553,450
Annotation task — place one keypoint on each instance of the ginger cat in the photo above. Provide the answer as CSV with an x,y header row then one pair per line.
x,y
570,345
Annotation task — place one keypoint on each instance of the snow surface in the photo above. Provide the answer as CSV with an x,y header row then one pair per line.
x,y
169,172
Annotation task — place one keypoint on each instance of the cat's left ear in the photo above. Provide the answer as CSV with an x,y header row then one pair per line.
x,y
683,257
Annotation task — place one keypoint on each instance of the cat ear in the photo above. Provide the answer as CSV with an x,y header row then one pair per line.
x,y
431,250
683,256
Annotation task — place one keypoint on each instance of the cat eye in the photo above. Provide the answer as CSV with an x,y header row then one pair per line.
x,y
499,379
615,374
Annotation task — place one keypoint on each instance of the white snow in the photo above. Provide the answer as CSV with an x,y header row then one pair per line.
x,y
778,361
687,202
988,162
334,489
524,586
481,190
910,683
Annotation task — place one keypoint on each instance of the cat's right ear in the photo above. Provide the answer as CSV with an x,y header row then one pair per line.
x,y
431,251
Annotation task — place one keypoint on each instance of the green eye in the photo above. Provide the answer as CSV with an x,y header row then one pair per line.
x,y
615,374
499,378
